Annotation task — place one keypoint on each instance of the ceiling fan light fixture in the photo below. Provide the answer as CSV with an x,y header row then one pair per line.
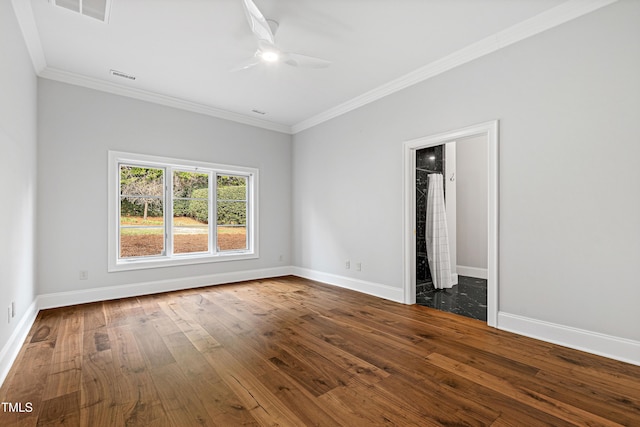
x,y
263,30
270,56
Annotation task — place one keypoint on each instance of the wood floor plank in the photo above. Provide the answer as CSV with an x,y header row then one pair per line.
x,y
93,316
437,399
61,410
562,387
178,398
374,349
290,352
66,366
47,328
150,342
303,404
26,383
263,405
198,336
357,405
359,369
612,403
216,397
136,394
533,399
243,347
559,387
120,312
318,376
98,394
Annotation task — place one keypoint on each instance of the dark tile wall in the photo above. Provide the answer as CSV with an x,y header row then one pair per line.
x,y
431,158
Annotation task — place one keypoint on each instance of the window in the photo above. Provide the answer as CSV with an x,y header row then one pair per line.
x,y
165,212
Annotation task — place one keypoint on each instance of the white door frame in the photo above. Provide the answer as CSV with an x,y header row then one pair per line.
x,y
490,130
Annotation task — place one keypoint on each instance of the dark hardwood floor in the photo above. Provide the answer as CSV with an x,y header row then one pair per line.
x,y
292,352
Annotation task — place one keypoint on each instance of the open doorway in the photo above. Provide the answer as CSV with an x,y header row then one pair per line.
x,y
463,164
467,160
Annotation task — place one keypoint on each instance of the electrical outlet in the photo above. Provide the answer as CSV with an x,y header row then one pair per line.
x,y
347,264
13,309
9,314
280,258
84,275
358,266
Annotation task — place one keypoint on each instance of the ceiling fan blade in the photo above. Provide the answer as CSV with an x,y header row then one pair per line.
x,y
251,62
304,61
257,22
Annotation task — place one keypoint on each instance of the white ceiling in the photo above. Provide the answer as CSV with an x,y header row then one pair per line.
x,y
181,51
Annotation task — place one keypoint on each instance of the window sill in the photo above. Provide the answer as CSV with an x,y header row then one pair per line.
x,y
160,262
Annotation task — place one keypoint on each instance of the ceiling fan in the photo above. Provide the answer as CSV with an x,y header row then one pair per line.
x,y
268,52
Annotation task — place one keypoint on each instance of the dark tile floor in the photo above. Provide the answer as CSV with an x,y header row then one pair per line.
x,y
467,298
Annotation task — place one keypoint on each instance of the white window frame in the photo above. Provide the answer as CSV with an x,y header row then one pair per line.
x,y
168,259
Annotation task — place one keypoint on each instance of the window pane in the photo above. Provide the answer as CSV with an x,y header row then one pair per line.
x,y
69,4
185,183
141,211
231,212
190,212
232,187
139,236
190,234
232,238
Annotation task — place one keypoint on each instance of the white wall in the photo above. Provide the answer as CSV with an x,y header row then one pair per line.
x,y
77,127
472,195
18,176
568,101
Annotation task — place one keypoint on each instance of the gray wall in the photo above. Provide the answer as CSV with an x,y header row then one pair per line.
x,y
17,172
568,101
472,197
77,127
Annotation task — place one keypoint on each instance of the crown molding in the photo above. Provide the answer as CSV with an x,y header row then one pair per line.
x,y
169,101
27,24
551,18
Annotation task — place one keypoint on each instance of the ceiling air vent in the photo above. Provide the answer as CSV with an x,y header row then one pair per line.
x,y
98,9
121,74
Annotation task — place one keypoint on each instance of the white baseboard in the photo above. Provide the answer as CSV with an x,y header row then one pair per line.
x,y
622,349
480,273
10,351
61,299
370,288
